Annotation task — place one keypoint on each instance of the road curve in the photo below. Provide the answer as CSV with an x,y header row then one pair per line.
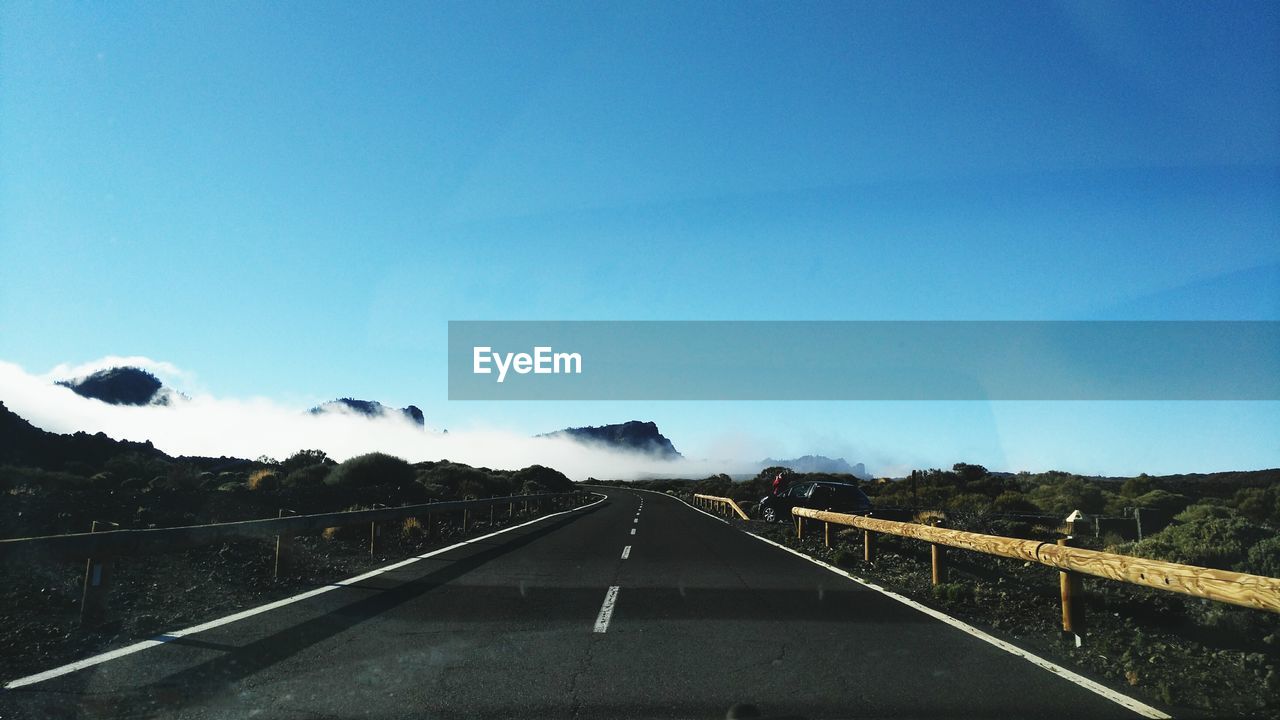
x,y
637,607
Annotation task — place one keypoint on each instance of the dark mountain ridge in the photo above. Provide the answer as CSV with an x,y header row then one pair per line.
x,y
633,435
120,386
371,408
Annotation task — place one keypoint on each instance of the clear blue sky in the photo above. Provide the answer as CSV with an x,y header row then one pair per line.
x,y
291,200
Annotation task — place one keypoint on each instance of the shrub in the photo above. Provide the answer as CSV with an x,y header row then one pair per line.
x,y
264,479
1013,502
1205,510
412,530
846,558
307,477
552,480
1264,558
1217,542
1162,500
305,458
372,469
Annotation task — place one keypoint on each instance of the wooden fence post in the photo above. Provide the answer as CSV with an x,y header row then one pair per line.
x,y
799,527
826,533
97,582
1069,585
868,546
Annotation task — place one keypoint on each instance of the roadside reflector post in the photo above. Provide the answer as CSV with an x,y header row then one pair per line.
x,y
430,522
799,527
97,582
826,533
939,556
868,546
284,549
511,509
491,506
466,514
1069,584
375,532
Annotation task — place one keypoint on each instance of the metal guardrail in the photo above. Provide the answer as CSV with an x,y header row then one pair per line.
x,y
101,548
162,540
724,506
1252,591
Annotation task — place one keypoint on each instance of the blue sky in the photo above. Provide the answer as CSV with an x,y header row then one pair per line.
x,y
292,200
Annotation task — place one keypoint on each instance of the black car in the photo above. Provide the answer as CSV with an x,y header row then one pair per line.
x,y
837,497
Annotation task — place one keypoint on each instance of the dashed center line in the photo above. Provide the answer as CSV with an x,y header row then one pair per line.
x,y
633,531
606,609
626,552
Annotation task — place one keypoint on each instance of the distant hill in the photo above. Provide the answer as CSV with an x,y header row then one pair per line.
x,y
121,386
819,464
634,435
21,443
370,408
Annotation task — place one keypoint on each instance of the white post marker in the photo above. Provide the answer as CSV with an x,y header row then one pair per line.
x,y
626,552
606,610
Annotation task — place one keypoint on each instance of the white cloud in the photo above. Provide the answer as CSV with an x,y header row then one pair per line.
x,y
202,424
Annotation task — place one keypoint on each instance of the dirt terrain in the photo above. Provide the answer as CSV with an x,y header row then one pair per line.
x,y
1135,638
40,603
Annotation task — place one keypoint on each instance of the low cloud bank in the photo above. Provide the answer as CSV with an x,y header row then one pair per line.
x,y
201,424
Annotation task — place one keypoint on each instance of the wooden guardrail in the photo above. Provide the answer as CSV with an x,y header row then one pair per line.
x,y
723,505
1252,591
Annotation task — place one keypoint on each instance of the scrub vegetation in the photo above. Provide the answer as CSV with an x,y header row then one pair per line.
x,y
1166,648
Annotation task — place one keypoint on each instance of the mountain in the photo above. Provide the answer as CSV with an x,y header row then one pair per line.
x,y
634,436
371,408
24,444
818,464
121,386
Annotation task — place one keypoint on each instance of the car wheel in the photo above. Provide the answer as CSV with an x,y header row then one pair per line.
x,y
769,515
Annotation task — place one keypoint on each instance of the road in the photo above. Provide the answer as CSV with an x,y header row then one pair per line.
x,y
550,620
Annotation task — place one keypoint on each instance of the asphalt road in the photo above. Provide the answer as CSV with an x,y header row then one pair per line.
x,y
703,617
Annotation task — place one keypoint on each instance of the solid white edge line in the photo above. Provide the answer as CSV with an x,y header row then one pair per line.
x,y
626,552
1114,696
606,609
163,638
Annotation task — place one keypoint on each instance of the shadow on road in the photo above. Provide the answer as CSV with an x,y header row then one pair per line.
x,y
191,686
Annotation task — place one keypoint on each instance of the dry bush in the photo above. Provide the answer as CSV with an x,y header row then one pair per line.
x,y
264,479
412,530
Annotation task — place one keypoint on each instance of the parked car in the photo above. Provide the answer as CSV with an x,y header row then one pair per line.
x,y
837,497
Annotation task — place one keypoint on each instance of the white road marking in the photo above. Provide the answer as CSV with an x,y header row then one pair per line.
x,y
606,610
633,531
1116,697
626,552
171,636
636,520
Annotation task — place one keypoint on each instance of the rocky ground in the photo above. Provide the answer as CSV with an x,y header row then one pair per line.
x,y
1165,648
40,603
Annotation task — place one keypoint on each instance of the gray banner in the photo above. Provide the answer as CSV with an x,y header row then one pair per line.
x,y
863,360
